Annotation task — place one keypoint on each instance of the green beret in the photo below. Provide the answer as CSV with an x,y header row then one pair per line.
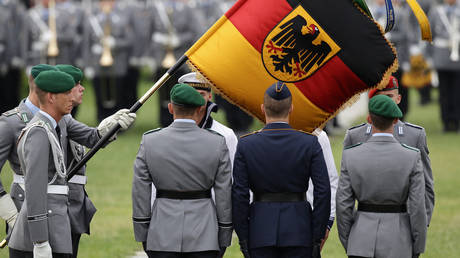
x,y
54,81
382,105
73,71
37,69
183,94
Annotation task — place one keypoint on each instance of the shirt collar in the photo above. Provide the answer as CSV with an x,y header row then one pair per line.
x,y
383,134
53,122
34,109
185,120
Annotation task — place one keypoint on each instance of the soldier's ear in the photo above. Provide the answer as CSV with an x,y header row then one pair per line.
x,y
170,109
291,109
369,120
262,108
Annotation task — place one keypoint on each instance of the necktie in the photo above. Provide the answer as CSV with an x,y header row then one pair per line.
x,y
58,132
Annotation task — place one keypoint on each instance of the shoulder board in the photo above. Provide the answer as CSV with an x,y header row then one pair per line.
x,y
153,130
14,111
409,147
414,126
214,132
352,146
357,126
306,132
244,135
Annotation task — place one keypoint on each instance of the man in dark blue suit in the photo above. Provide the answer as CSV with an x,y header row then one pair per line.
x,y
276,163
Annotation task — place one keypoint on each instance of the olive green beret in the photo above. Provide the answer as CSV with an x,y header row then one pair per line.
x,y
185,95
54,81
37,69
73,71
383,105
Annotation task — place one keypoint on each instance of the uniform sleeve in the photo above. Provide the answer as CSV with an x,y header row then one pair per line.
x,y
6,145
345,201
222,189
81,133
141,194
321,192
36,160
240,195
416,207
428,174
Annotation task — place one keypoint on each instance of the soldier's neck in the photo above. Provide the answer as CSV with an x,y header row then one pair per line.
x,y
376,130
34,99
52,112
269,120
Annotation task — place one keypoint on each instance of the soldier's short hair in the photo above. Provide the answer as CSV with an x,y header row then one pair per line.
x,y
380,122
277,108
183,110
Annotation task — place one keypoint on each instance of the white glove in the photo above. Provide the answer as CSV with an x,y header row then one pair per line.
x,y
96,49
160,38
121,117
110,41
8,210
89,72
174,41
42,250
45,37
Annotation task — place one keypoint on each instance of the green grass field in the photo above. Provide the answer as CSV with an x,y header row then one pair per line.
x,y
110,176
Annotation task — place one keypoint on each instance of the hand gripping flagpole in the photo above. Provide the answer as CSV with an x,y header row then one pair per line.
x,y
116,127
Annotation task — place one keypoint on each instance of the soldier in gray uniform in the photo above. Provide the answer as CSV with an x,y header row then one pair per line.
x,y
110,40
445,21
183,220
12,52
390,221
43,227
410,134
11,124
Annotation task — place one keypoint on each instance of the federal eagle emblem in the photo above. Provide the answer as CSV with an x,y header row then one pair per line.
x,y
297,47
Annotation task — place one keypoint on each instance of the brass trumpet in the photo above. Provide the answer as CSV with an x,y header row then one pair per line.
x,y
106,57
53,49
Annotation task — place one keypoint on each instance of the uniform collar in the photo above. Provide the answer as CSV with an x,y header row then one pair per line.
x,y
383,134
184,120
277,125
53,122
34,109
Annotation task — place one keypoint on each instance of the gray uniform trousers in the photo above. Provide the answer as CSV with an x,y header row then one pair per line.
x,y
43,216
412,135
182,157
381,171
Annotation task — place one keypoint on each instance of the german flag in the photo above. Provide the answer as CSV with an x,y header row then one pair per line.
x,y
326,50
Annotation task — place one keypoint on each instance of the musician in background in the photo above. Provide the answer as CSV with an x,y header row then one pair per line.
x,y
110,40
180,25
445,26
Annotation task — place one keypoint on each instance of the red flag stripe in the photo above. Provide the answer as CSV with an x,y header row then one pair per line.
x,y
332,85
256,27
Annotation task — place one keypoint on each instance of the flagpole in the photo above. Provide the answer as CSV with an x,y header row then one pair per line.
x,y
133,109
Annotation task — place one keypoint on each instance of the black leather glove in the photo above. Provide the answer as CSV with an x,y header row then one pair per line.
x,y
316,252
415,255
222,252
244,247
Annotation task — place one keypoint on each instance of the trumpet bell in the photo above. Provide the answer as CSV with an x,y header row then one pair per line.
x,y
106,59
169,60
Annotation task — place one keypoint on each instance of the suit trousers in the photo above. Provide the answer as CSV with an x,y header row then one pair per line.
x,y
22,254
449,93
109,92
75,243
281,252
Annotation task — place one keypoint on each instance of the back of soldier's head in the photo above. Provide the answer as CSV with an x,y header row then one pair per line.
x,y
277,100
383,111
186,100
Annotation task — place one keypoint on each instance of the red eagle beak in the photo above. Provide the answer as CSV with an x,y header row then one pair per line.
x,y
313,28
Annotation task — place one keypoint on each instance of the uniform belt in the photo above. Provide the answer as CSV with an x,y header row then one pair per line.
x,y
189,195
58,189
382,208
78,179
18,179
280,197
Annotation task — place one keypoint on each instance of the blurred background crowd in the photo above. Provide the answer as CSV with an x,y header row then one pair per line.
x,y
114,40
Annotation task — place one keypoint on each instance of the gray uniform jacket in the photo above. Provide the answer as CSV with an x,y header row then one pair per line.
x,y
441,19
81,209
412,135
384,172
11,124
182,157
43,216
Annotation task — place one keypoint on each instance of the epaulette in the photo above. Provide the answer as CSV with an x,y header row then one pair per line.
x,y
244,135
14,111
352,146
214,132
409,147
306,132
414,126
357,126
153,130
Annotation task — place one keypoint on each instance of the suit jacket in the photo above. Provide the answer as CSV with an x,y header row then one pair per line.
x,y
381,171
11,124
182,157
280,159
43,216
412,135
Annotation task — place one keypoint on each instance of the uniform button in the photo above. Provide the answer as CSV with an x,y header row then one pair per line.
x,y
50,211
20,195
68,203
